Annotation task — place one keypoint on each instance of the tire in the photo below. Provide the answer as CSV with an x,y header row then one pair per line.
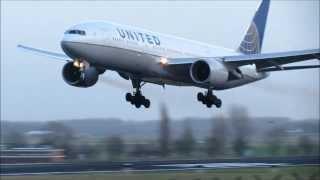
x,y
138,105
218,103
200,96
146,103
139,99
142,98
209,105
133,100
212,99
128,97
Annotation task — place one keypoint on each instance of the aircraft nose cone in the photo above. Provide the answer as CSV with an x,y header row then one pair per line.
x,y
68,48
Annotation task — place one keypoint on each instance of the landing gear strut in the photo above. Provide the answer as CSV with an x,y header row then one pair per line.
x,y
209,99
136,98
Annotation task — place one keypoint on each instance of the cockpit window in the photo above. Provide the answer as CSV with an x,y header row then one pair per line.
x,y
75,31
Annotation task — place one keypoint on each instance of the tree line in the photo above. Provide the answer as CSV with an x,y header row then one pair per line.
x,y
229,137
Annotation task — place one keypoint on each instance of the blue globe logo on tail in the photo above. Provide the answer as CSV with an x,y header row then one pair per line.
x,y
253,40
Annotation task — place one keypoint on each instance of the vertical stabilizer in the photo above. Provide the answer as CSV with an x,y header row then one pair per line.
x,y
253,40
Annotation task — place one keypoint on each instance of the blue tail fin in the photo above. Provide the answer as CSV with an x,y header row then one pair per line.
x,y
253,40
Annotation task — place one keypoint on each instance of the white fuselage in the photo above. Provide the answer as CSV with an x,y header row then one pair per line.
x,y
138,52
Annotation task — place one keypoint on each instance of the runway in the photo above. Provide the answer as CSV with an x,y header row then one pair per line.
x,y
178,165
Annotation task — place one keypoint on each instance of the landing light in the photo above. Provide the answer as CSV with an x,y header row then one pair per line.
x,y
81,65
163,60
76,63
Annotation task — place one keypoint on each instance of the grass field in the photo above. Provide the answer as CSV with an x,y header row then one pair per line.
x,y
285,173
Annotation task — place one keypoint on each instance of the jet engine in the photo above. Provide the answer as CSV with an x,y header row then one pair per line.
x,y
210,72
79,77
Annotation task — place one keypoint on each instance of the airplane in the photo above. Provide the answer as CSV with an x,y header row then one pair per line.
x,y
143,56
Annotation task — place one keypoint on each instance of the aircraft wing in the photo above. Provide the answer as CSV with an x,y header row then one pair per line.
x,y
45,53
263,62
273,59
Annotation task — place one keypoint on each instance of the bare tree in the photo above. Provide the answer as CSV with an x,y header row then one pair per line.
x,y
216,142
145,150
164,139
15,139
274,139
241,129
115,147
306,144
61,136
185,144
88,150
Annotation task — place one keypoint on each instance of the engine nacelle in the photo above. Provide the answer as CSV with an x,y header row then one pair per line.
x,y
212,72
74,76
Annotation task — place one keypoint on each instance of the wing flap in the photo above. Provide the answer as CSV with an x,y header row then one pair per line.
x,y
286,68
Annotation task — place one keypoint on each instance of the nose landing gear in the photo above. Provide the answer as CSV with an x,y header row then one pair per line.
x,y
209,99
137,98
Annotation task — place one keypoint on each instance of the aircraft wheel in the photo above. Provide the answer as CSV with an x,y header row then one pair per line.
x,y
128,97
146,103
209,105
137,104
218,103
142,98
200,96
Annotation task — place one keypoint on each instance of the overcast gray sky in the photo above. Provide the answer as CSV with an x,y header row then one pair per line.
x,y
32,87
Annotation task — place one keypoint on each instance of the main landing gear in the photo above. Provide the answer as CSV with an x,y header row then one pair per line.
x,y
136,98
209,99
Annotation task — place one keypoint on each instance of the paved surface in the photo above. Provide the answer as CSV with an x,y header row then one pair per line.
x,y
87,167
